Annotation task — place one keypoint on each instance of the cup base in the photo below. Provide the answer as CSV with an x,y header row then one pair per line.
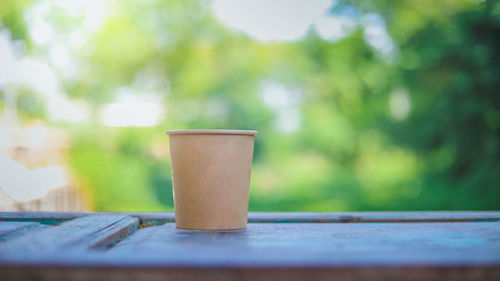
x,y
209,229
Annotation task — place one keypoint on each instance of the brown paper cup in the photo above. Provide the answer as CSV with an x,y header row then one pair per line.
x,y
211,177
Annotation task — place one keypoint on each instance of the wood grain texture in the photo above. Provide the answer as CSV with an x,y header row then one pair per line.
x,y
49,218
79,234
289,245
369,217
274,246
148,219
8,227
11,230
297,244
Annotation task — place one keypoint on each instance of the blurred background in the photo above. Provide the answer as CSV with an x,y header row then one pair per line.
x,y
360,105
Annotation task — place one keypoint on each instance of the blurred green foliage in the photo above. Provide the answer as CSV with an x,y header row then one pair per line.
x,y
349,152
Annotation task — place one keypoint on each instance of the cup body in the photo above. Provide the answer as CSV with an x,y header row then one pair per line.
x,y
211,177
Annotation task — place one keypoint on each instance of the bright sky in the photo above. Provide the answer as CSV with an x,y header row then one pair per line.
x,y
271,20
290,20
285,102
133,109
31,71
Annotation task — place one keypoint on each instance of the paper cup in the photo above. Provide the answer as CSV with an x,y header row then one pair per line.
x,y
211,177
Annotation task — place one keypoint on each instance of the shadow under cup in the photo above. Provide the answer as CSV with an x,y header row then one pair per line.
x,y
211,177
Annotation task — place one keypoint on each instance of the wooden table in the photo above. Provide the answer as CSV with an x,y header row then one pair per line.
x,y
274,246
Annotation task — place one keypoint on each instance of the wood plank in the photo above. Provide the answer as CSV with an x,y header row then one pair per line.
x,y
83,233
288,251
10,230
148,219
297,244
361,217
468,244
8,227
98,273
49,218
267,251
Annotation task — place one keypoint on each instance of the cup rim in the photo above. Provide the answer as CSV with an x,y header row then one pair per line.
x,y
211,132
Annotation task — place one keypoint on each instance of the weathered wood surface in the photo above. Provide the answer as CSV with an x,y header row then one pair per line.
x,y
8,227
81,234
298,244
274,246
9,230
148,219
48,218
286,244
369,217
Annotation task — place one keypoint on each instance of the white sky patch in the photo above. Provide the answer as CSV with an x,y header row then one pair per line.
x,y
59,56
61,59
289,20
149,79
45,33
399,104
5,141
133,110
38,75
6,57
285,101
42,31
377,37
66,110
94,12
288,120
25,71
39,29
77,40
335,27
271,20
276,95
